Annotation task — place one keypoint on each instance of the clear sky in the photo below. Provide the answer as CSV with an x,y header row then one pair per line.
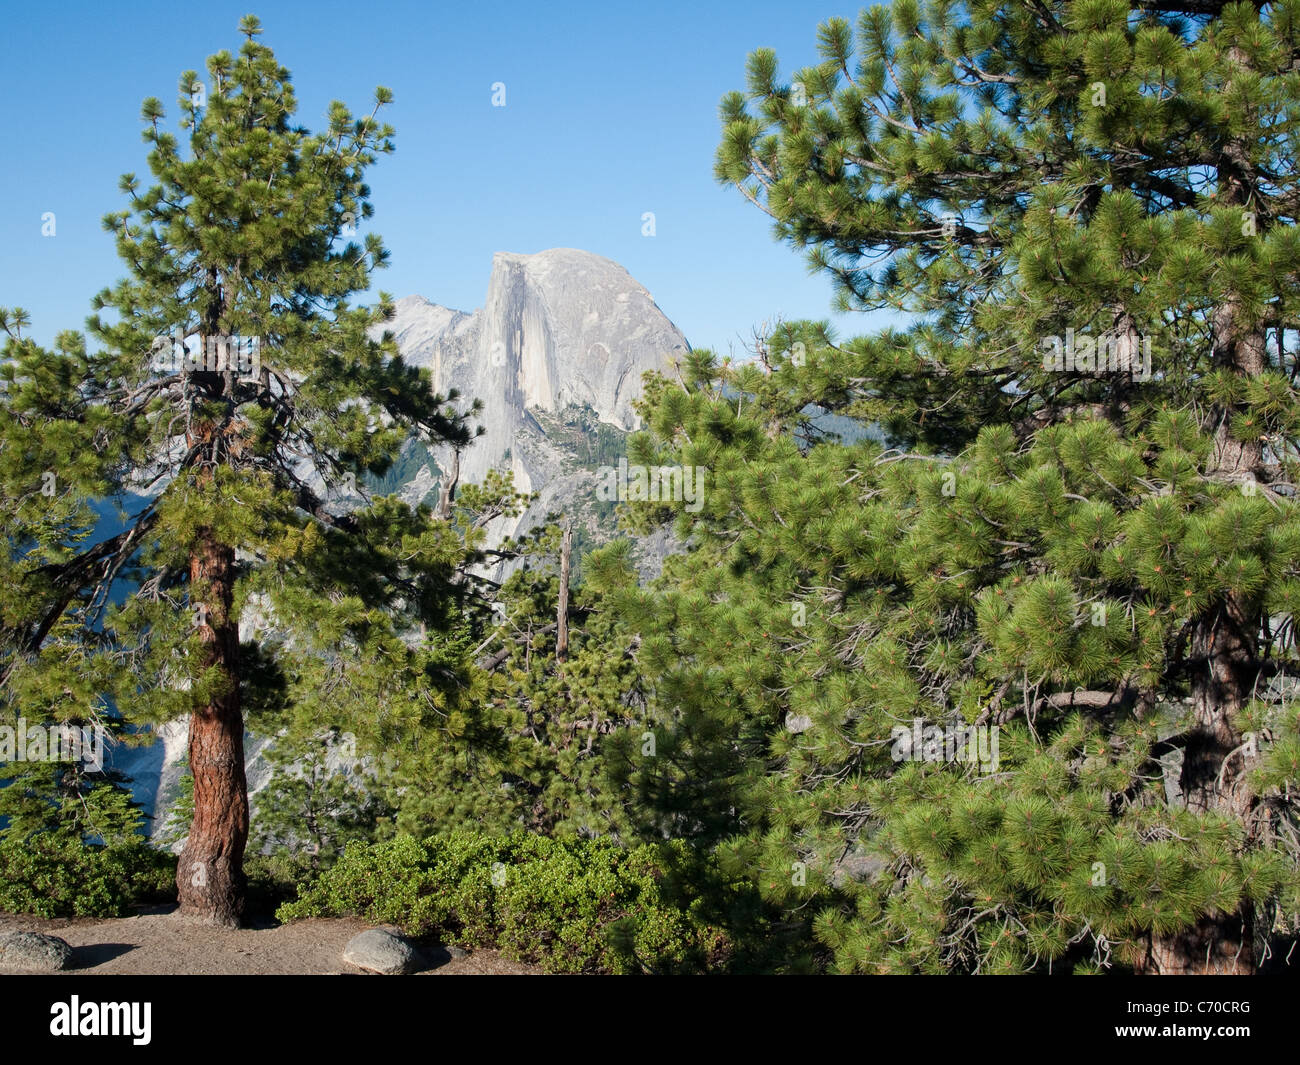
x,y
611,111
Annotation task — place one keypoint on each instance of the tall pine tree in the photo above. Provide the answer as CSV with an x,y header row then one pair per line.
x,y
241,394
1093,550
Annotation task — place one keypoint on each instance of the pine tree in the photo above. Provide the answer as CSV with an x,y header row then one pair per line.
x,y
312,807
240,391
543,744
1094,554
572,715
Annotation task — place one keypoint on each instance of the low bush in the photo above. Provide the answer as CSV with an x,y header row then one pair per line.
x,y
569,905
57,874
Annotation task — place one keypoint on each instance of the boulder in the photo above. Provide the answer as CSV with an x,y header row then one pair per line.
x,y
33,951
380,951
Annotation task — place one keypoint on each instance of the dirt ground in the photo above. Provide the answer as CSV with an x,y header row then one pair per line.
x,y
163,943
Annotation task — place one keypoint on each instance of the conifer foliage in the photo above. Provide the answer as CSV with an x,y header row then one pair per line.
x,y
1090,549
241,395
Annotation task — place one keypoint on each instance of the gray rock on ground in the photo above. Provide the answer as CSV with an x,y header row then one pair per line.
x,y
33,951
380,951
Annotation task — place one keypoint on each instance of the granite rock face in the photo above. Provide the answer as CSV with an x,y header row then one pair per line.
x,y
559,329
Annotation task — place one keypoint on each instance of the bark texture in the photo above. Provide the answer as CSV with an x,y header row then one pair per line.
x,y
210,876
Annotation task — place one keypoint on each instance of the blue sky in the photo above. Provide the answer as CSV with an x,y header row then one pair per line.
x,y
611,111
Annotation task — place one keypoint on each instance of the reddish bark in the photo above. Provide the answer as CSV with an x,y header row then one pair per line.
x,y
210,876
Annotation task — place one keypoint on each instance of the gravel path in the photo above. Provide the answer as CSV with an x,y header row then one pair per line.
x,y
166,944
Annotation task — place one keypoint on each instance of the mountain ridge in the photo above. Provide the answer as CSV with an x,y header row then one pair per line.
x,y
561,328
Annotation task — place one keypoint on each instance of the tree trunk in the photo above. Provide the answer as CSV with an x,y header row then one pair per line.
x,y
210,874
1213,780
562,608
447,491
1218,945
1225,640
1224,667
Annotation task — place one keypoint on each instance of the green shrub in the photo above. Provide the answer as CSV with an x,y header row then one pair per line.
x,y
57,874
570,905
